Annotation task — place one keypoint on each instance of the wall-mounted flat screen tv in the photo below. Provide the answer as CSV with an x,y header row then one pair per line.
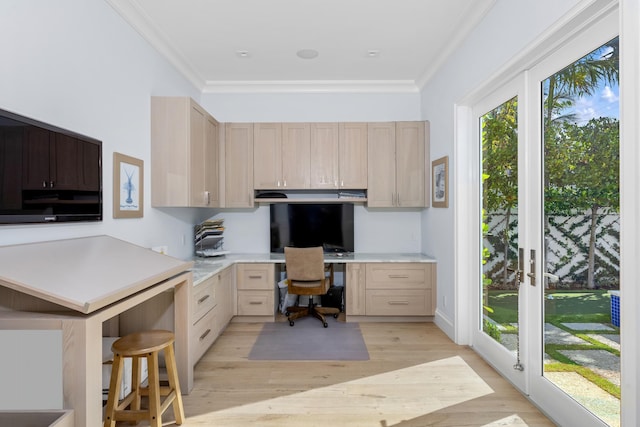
x,y
304,225
47,174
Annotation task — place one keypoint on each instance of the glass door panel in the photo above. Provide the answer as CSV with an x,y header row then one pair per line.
x,y
499,251
580,243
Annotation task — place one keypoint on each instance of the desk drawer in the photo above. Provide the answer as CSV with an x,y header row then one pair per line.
x,y
398,275
256,276
203,299
256,303
204,334
398,302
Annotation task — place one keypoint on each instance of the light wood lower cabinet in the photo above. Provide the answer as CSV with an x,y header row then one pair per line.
x,y
256,289
211,310
391,289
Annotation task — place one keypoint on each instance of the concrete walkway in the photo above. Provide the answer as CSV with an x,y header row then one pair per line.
x,y
601,362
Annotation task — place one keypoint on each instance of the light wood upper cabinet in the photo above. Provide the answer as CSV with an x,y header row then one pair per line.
x,y
212,162
324,155
296,155
397,165
411,185
281,156
267,156
238,149
184,154
381,190
352,157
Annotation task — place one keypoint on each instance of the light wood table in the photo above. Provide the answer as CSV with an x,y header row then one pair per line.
x,y
77,285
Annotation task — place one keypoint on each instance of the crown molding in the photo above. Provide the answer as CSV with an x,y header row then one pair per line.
x,y
135,16
312,86
473,16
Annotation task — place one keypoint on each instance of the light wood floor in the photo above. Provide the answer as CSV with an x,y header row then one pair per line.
x,y
415,377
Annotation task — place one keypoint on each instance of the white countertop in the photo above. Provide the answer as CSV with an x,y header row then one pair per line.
x,y
204,268
84,274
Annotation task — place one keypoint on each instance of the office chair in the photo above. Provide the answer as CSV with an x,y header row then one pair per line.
x,y
306,275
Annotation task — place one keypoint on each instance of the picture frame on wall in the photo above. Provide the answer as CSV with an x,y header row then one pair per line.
x,y
128,186
440,182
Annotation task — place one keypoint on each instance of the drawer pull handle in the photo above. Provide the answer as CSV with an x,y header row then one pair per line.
x,y
398,302
203,299
255,302
398,276
203,336
255,277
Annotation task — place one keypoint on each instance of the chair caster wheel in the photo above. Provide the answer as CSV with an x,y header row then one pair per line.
x,y
286,313
290,322
325,324
335,316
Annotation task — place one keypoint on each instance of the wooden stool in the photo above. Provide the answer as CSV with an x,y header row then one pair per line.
x,y
144,344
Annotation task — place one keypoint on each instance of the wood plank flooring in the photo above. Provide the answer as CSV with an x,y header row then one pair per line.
x,y
415,377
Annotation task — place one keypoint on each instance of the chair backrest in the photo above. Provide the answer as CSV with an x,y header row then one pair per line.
x,y
304,264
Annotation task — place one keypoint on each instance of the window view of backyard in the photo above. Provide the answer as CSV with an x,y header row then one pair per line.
x,y
581,229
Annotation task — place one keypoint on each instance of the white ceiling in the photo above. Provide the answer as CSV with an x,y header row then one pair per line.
x,y
202,39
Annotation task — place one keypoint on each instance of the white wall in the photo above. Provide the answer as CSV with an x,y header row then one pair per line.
x,y
509,27
77,65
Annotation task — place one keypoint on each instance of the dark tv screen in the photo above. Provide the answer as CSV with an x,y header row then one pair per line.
x,y
47,174
304,225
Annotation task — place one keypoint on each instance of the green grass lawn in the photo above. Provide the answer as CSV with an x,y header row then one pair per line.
x,y
580,306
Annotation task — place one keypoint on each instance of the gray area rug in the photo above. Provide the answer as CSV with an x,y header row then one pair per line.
x,y
308,340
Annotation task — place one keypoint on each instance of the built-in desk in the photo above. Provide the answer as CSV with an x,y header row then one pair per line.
x,y
72,287
378,286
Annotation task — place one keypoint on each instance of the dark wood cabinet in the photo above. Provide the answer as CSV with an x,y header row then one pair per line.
x,y
56,161
10,168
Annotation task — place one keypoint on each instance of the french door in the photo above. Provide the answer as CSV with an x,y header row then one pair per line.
x,y
548,158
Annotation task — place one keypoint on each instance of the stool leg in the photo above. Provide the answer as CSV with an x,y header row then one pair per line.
x,y
135,384
155,416
174,383
114,391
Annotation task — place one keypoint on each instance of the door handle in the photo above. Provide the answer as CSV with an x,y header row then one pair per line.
x,y
532,268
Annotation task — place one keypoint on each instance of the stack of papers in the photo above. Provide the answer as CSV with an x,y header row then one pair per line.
x,y
208,238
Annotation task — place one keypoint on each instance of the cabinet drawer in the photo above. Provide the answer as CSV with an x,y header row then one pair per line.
x,y
203,299
256,303
398,275
204,334
256,276
398,302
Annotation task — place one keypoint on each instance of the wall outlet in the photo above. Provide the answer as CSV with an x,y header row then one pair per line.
x,y
164,250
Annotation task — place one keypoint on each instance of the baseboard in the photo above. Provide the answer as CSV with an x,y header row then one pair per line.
x,y
445,324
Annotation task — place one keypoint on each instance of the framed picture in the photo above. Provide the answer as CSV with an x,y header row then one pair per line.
x,y
128,187
440,182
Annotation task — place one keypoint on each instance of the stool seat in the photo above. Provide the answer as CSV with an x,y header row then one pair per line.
x,y
140,343
145,344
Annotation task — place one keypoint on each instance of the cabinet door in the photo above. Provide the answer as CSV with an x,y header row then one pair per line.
x,y
296,155
89,158
238,165
355,289
212,163
353,156
170,151
381,190
64,163
36,152
198,159
267,156
10,167
410,164
324,155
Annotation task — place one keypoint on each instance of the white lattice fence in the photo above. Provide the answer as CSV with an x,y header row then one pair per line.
x,y
567,249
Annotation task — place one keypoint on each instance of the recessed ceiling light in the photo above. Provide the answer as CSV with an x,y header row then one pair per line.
x,y
373,53
307,53
242,53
